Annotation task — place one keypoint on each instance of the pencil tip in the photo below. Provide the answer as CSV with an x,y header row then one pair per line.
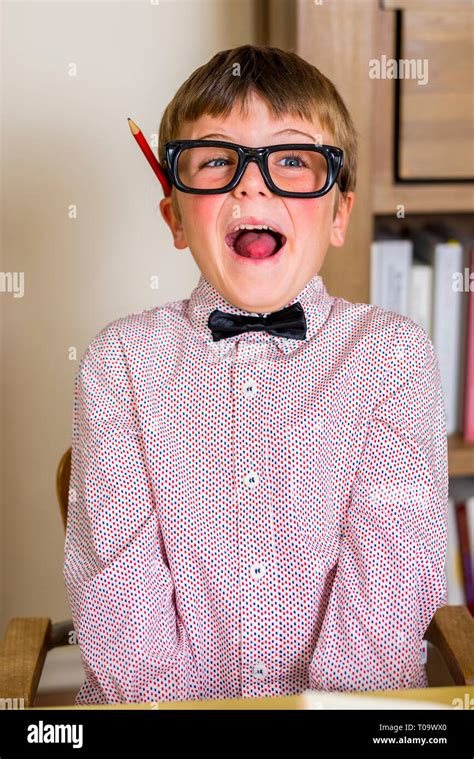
x,y
133,127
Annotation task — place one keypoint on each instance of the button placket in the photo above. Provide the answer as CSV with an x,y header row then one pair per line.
x,y
256,527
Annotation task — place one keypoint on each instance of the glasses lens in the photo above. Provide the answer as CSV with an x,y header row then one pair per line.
x,y
207,168
298,170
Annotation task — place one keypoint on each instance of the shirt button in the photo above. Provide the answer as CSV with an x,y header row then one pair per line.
x,y
400,637
424,651
399,351
249,388
260,671
251,479
258,571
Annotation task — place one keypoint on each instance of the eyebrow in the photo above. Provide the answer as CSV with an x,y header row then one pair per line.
x,y
296,131
283,131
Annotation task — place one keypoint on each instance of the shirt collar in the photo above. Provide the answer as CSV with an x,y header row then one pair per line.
x,y
205,298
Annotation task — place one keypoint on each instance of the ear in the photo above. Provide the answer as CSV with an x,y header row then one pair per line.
x,y
173,220
341,219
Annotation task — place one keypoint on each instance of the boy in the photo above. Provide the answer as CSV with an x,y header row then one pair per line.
x,y
259,473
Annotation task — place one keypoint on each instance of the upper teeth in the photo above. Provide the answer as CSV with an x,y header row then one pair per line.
x,y
253,226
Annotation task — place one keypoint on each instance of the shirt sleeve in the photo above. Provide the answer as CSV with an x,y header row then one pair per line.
x,y
133,644
390,577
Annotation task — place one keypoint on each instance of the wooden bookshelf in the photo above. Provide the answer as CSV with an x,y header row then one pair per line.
x,y
341,38
460,457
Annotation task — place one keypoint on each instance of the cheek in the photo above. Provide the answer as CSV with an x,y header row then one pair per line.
x,y
202,212
313,217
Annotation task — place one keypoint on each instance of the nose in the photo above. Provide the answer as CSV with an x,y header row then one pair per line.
x,y
252,182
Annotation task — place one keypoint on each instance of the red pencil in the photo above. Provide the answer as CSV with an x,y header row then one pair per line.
x,y
152,160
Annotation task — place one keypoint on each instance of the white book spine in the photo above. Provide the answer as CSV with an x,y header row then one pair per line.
x,y
391,262
447,305
421,294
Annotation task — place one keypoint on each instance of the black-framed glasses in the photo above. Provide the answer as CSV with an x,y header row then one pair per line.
x,y
294,170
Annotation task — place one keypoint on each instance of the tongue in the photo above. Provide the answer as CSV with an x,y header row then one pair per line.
x,y
255,244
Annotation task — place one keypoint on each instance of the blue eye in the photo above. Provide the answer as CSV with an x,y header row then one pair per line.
x,y
214,162
295,159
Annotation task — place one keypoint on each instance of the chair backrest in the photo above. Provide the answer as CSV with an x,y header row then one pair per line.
x,y
63,475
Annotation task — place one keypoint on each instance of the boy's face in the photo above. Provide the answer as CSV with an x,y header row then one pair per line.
x,y
309,224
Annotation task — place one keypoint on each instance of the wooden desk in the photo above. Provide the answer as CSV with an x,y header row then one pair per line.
x,y
437,696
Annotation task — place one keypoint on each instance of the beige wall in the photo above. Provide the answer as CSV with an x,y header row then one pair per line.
x,y
66,142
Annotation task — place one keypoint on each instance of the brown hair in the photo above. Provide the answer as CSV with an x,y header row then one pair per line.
x,y
283,79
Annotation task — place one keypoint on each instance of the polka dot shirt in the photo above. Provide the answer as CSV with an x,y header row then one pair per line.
x,y
257,515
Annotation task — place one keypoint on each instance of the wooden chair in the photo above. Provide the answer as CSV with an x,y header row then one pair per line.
x,y
450,636
28,639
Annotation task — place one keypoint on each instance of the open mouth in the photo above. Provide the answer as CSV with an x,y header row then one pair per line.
x,y
256,242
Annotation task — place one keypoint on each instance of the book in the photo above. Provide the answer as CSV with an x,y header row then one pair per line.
x,y
453,564
465,552
420,304
390,272
437,248
468,414
470,526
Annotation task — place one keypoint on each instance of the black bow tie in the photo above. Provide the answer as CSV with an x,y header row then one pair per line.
x,y
287,322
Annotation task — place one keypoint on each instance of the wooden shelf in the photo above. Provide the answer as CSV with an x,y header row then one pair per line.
x,y
425,5
460,456
423,198
388,194
369,32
